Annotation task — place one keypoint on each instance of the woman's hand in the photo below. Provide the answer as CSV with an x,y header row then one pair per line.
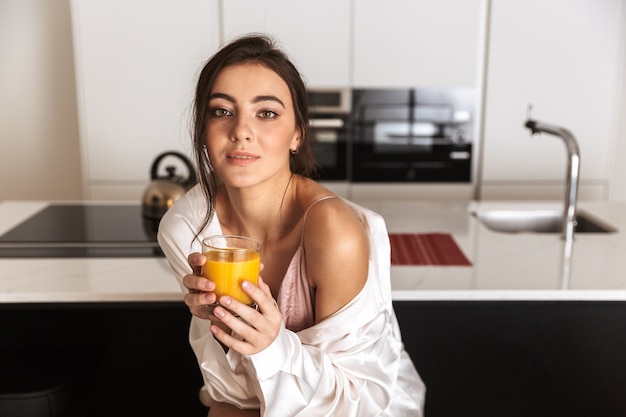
x,y
200,293
256,329
200,297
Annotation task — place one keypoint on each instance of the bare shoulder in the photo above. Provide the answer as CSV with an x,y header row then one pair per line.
x,y
337,252
334,217
332,222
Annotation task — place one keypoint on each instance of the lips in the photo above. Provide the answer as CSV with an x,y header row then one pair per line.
x,y
241,158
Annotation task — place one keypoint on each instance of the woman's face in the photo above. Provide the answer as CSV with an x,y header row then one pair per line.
x,y
251,125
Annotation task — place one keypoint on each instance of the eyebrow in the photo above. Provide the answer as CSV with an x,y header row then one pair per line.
x,y
255,100
259,99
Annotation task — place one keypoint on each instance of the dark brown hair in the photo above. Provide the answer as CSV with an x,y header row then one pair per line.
x,y
261,49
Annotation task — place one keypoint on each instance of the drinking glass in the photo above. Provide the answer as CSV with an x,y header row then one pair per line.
x,y
230,260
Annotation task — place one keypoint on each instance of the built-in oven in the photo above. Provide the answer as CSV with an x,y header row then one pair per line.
x,y
329,120
412,135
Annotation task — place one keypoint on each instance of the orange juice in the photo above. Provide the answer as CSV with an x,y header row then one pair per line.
x,y
228,268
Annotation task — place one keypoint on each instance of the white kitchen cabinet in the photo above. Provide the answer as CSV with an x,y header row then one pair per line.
x,y
314,33
618,176
564,57
429,43
136,67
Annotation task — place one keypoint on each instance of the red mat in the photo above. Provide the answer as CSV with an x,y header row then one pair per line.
x,y
426,249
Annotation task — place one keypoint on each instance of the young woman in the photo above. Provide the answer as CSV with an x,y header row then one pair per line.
x,y
324,340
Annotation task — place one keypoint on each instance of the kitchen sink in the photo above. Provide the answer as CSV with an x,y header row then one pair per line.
x,y
538,221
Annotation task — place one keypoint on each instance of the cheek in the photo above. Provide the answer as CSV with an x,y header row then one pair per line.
x,y
279,144
213,133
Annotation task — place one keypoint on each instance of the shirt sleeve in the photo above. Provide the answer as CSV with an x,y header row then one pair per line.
x,y
176,238
346,365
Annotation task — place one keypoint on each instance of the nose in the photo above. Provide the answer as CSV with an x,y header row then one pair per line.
x,y
242,130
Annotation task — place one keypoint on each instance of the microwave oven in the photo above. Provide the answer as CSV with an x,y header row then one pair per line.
x,y
330,101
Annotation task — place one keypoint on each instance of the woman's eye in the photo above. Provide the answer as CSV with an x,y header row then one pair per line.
x,y
219,112
267,114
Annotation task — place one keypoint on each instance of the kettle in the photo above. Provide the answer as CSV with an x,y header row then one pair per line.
x,y
163,191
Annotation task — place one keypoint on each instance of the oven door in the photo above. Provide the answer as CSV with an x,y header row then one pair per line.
x,y
411,135
409,152
329,145
433,162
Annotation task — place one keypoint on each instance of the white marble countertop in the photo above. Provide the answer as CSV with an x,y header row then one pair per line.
x,y
505,266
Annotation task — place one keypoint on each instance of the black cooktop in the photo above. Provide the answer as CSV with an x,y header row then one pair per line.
x,y
65,230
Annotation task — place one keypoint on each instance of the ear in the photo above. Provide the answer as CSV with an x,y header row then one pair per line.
x,y
295,142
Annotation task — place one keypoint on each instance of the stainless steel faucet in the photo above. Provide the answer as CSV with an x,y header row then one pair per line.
x,y
573,157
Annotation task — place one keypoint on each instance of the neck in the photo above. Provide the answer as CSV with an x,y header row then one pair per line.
x,y
262,211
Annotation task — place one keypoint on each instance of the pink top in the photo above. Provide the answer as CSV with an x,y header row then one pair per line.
x,y
295,298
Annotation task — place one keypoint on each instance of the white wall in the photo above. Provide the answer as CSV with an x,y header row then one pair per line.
x,y
617,187
39,156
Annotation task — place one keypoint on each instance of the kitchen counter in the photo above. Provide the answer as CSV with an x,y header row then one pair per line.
x,y
505,266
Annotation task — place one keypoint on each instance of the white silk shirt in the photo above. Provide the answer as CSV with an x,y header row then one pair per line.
x,y
352,363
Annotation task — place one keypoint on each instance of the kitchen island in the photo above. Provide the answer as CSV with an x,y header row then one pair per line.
x,y
504,266
513,334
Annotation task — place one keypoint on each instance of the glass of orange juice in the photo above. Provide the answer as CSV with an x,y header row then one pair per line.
x,y
230,260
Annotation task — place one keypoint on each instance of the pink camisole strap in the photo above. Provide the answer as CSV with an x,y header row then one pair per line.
x,y
295,298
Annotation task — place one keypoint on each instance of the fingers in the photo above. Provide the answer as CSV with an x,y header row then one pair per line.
x,y
195,261
247,339
258,329
199,299
208,312
200,292
262,295
195,282
198,283
200,289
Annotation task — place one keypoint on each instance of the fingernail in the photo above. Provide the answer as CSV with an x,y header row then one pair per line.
x,y
225,301
245,285
219,312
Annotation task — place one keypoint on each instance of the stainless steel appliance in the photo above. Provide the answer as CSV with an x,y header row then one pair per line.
x,y
329,114
164,190
412,135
